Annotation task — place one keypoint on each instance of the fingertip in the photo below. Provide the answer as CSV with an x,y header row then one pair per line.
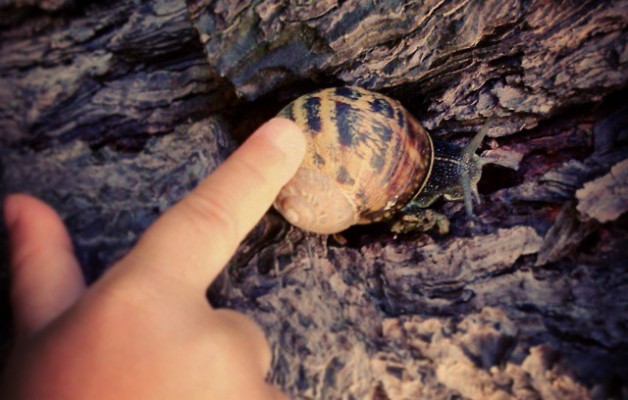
x,y
25,214
45,276
13,203
287,137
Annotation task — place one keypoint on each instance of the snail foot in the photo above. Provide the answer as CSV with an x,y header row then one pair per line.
x,y
421,220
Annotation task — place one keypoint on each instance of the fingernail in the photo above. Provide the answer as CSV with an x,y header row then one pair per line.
x,y
10,210
287,137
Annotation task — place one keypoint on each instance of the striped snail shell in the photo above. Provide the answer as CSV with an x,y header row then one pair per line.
x,y
367,158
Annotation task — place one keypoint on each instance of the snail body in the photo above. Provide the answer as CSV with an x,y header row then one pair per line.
x,y
367,160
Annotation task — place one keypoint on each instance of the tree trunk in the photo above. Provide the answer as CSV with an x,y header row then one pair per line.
x,y
112,112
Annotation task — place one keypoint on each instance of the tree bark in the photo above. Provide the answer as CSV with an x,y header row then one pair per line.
x,y
112,112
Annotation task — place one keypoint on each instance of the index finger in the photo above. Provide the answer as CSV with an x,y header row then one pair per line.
x,y
195,239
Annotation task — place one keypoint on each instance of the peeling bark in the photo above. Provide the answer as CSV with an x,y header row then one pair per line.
x,y
604,199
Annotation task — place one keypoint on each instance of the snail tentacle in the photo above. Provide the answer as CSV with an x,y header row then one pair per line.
x,y
471,169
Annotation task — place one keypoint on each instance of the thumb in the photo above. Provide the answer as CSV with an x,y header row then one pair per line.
x,y
45,275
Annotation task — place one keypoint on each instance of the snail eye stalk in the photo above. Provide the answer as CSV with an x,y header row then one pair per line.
x,y
471,169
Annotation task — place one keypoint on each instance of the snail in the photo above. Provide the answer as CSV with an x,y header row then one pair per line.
x,y
367,160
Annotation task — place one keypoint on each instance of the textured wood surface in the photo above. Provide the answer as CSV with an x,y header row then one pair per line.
x,y
112,111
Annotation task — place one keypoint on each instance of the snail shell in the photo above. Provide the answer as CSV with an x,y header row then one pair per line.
x,y
366,158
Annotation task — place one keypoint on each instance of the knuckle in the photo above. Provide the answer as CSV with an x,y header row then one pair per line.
x,y
253,172
209,215
23,263
24,256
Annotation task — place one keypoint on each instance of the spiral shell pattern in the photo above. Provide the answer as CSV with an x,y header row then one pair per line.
x,y
367,157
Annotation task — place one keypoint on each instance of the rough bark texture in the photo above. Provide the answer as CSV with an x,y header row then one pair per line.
x,y
112,112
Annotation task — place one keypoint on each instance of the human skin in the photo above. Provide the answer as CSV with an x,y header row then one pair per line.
x,y
145,329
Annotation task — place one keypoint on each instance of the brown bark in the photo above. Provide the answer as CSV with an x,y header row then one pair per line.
x,y
112,112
